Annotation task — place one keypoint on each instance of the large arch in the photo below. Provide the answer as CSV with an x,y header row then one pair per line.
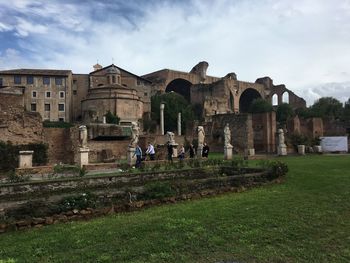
x,y
247,98
180,86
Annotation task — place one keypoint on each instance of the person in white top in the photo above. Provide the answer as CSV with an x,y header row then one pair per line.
x,y
150,151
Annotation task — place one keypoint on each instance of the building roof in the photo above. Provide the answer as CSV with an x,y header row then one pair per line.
x,y
41,72
112,65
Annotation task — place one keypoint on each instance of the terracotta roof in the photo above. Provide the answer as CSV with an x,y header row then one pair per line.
x,y
41,72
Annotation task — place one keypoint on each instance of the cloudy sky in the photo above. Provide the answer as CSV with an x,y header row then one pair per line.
x,y
304,44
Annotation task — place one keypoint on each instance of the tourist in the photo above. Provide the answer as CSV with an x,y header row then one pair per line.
x,y
150,151
138,153
170,152
205,151
192,151
181,154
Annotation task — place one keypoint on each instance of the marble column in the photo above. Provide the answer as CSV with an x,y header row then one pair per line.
x,y
162,118
179,123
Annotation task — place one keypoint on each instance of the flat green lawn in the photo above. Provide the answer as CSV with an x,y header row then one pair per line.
x,y
305,219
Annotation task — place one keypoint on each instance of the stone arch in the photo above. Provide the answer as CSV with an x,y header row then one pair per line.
x,y
232,102
247,98
180,86
285,97
274,100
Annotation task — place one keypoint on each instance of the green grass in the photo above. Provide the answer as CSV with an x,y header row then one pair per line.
x,y
305,219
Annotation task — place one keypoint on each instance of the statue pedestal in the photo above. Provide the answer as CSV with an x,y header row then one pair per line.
x,y
83,156
282,150
250,152
174,145
199,151
25,159
301,149
228,152
131,156
317,149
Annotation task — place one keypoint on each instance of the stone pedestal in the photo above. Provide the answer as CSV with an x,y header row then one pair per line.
x,y
282,150
131,156
83,157
301,149
199,151
25,159
317,149
175,149
228,152
250,152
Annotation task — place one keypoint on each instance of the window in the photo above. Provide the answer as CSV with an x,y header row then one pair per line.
x,y
113,79
61,94
274,100
46,80
48,94
138,82
30,80
60,107
33,107
34,94
61,119
145,94
58,81
0,82
74,92
285,97
17,79
47,107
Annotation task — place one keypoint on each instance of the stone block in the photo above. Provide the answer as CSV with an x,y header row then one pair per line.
x,y
83,154
25,159
228,152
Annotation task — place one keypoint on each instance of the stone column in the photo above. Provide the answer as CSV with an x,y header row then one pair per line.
x,y
83,156
162,118
179,123
104,120
131,156
199,151
25,159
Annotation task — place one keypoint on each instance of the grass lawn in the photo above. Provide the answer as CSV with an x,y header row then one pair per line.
x,y
305,219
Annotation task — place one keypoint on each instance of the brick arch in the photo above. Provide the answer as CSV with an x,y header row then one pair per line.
x,y
180,86
246,98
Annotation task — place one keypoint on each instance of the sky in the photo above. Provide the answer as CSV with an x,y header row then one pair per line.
x,y
304,44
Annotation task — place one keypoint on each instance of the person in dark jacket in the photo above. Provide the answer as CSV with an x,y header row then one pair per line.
x,y
192,151
170,152
205,151
138,153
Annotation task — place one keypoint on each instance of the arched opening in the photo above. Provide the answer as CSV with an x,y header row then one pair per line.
x,y
180,86
274,100
285,97
232,102
247,98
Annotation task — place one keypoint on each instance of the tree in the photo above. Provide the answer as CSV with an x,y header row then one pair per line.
x,y
346,111
284,112
174,103
327,108
111,118
259,106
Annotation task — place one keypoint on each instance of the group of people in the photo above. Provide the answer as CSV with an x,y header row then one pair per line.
x,y
139,155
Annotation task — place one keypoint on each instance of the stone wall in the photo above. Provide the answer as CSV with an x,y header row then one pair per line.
x,y
264,126
60,145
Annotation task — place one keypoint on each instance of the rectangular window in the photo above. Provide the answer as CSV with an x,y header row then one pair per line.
x,y
0,82
74,92
61,119
61,94
58,81
17,79
47,107
48,94
30,80
33,107
60,107
34,94
46,80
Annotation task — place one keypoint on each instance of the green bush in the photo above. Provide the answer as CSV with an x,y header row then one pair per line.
x,y
80,201
111,118
275,168
299,139
158,190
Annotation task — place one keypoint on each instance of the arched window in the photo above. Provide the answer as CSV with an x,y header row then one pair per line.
x,y
285,97
274,100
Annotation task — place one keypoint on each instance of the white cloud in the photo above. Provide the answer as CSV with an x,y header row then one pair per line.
x,y
302,43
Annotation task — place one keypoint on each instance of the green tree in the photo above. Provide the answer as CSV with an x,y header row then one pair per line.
x,y
260,105
346,111
111,118
174,103
284,112
327,108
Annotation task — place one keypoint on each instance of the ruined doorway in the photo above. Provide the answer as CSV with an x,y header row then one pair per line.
x,y
180,86
247,98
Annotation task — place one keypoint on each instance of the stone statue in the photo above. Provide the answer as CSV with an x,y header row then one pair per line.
x,y
227,134
280,137
83,136
171,138
135,133
201,135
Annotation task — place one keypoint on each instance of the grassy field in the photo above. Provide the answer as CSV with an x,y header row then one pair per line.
x,y
305,219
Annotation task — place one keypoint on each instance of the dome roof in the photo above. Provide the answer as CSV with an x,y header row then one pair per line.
x,y
113,70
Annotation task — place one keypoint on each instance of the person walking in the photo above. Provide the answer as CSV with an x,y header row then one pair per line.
x,y
170,152
205,152
150,151
138,153
181,155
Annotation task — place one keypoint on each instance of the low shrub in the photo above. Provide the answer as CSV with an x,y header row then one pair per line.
x,y
158,190
80,201
275,168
